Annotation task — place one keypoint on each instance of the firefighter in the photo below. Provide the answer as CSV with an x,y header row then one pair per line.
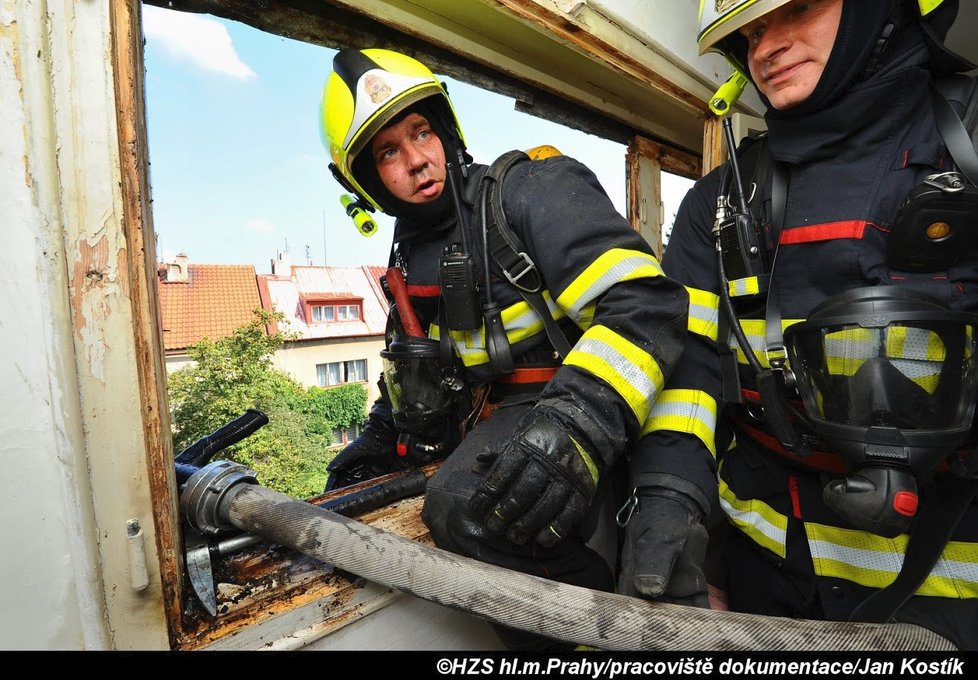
x,y
545,319
838,444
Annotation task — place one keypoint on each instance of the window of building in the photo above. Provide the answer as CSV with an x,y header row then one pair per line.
x,y
190,138
344,435
339,372
320,313
323,313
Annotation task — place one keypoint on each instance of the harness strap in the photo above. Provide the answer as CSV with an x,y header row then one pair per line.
x,y
524,376
821,461
510,254
955,135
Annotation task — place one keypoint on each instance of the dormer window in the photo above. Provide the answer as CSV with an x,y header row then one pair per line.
x,y
326,311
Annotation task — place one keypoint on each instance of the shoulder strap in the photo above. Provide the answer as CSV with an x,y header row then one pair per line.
x,y
508,251
958,128
504,245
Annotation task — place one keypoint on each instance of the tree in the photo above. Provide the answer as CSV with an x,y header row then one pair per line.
x,y
233,374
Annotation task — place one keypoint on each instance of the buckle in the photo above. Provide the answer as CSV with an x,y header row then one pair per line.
x,y
530,267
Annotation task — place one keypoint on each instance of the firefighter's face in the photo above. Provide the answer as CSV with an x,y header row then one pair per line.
x,y
788,48
410,159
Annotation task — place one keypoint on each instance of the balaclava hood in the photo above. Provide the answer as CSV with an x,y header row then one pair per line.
x,y
423,217
860,28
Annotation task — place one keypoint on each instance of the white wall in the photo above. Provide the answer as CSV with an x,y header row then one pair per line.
x,y
72,446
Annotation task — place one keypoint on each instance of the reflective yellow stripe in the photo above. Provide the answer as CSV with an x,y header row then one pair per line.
x,y
757,519
630,371
586,316
613,266
687,411
520,321
875,561
754,329
741,287
704,312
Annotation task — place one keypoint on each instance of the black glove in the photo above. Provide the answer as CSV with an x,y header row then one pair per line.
x,y
665,549
370,455
540,485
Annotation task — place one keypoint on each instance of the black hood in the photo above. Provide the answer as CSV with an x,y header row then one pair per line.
x,y
860,27
873,36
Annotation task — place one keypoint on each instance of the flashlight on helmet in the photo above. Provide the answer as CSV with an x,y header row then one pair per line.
x,y
361,219
728,94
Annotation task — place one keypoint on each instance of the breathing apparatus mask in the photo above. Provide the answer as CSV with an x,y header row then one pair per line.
x,y
889,381
422,386
424,399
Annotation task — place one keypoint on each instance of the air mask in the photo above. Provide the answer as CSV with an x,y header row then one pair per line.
x,y
889,381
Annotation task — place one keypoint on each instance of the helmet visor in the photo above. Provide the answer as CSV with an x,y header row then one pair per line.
x,y
905,375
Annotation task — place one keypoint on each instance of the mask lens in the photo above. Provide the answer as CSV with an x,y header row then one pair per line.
x,y
906,376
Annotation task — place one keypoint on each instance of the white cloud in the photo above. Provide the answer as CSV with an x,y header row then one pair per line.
x,y
261,225
198,39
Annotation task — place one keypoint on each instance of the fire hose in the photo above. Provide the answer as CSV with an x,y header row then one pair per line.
x,y
226,495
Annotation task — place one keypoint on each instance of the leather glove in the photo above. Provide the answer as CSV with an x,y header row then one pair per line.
x,y
370,455
540,485
665,549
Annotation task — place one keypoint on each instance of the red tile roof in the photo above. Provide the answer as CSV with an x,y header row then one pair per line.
x,y
214,301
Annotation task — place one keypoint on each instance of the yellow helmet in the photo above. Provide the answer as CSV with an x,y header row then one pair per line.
x,y
366,90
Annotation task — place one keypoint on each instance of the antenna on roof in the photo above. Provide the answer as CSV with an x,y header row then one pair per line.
x,y
308,255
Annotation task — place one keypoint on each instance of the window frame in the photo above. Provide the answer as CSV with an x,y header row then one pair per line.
x,y
128,74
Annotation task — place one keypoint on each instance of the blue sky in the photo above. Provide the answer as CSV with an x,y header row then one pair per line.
x,y
237,165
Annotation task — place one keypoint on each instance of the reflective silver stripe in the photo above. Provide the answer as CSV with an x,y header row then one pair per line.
x,y
704,313
628,369
877,568
611,267
754,329
757,519
687,411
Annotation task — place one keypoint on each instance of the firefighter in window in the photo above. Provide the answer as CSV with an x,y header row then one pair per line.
x,y
531,327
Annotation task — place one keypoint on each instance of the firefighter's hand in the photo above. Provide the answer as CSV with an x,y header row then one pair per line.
x,y
363,458
540,485
665,548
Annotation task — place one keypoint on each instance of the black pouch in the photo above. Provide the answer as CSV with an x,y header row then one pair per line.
x,y
937,224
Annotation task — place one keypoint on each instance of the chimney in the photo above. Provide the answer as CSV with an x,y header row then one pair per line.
x,y
282,264
176,271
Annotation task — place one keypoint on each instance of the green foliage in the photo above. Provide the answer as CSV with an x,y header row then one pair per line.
x,y
234,374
